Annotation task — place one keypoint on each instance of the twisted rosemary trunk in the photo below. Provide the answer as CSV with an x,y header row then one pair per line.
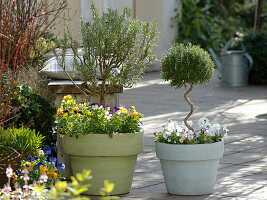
x,y
191,106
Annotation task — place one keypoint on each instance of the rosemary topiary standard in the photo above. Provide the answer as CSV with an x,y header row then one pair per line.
x,y
116,50
187,64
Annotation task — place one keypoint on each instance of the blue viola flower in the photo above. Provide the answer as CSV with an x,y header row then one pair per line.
x,y
30,158
61,166
36,158
53,160
18,172
40,163
47,150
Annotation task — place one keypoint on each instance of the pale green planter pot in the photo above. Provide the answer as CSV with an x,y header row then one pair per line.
x,y
190,169
111,159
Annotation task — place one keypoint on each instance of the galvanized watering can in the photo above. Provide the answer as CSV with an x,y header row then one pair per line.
x,y
234,65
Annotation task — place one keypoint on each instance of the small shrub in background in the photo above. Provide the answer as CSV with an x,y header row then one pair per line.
x,y
23,140
256,46
36,113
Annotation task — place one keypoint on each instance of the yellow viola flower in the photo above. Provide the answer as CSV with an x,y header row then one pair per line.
x,y
60,112
89,113
30,167
75,109
43,169
68,97
134,114
79,115
52,175
132,108
65,114
14,176
123,110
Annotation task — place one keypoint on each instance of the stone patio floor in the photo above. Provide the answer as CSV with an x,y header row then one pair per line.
x,y
243,169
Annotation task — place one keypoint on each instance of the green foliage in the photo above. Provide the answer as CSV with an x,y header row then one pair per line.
x,y
116,50
211,23
75,119
24,140
35,112
183,64
256,46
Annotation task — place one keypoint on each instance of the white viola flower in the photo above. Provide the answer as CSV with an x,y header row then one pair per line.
x,y
207,125
212,131
95,106
225,130
101,107
118,112
190,137
183,126
217,127
202,121
171,126
166,134
169,139
179,128
190,123
108,117
9,171
184,136
181,140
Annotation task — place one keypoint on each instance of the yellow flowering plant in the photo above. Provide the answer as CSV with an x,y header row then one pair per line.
x,y
84,118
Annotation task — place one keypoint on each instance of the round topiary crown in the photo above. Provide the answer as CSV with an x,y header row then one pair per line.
x,y
183,64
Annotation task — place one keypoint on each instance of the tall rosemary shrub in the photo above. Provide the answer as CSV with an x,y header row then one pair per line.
x,y
116,50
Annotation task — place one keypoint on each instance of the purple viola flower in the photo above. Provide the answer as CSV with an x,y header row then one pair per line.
x,y
36,158
121,105
61,166
40,163
116,109
47,150
30,158
53,160
155,133
107,107
111,114
95,104
80,112
195,140
205,138
18,172
65,111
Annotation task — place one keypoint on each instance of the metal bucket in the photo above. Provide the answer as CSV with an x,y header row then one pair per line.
x,y
235,66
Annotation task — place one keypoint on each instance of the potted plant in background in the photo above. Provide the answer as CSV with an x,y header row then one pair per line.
x,y
189,158
116,50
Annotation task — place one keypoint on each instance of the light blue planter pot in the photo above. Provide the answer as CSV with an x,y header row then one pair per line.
x,y
190,169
